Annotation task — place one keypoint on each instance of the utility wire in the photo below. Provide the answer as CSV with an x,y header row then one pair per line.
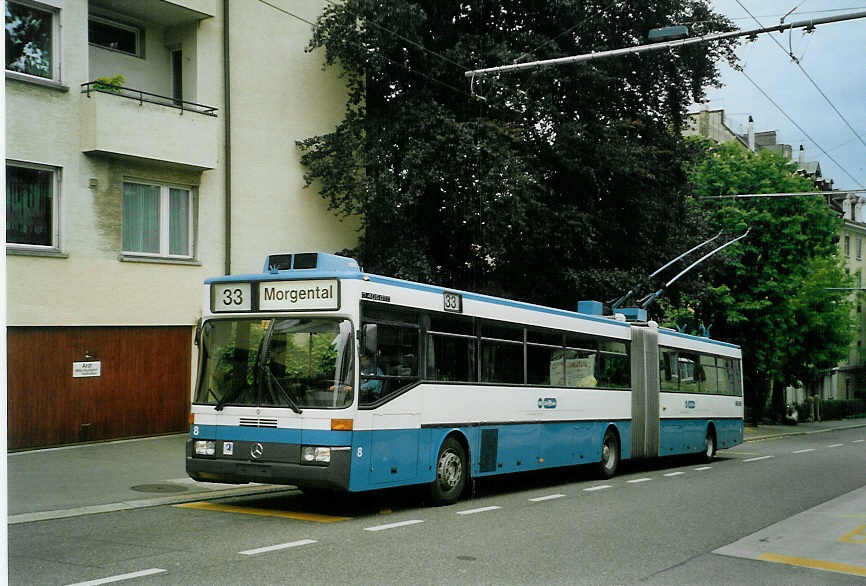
x,y
284,11
779,15
809,77
416,72
800,128
563,33
789,194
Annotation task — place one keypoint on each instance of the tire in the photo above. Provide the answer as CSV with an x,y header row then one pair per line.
x,y
709,446
609,455
451,473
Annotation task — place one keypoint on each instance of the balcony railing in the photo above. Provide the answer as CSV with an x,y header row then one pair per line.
x,y
141,96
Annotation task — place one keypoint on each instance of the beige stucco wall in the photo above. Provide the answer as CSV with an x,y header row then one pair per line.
x,y
279,95
89,284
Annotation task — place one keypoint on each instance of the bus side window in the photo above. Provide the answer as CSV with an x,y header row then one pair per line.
x,y
389,360
668,375
614,369
689,373
709,382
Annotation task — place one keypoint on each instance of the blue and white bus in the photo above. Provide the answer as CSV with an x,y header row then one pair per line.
x,y
316,374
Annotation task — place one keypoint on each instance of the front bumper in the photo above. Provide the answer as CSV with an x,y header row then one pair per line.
x,y
277,464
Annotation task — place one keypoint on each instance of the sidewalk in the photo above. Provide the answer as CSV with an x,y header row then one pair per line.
x,y
752,433
98,478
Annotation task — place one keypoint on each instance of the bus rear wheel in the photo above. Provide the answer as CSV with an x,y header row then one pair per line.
x,y
451,473
609,455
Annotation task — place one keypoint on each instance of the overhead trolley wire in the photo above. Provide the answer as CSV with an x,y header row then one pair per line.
x,y
800,128
817,87
501,107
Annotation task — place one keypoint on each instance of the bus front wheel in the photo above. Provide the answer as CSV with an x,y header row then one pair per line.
x,y
609,454
450,473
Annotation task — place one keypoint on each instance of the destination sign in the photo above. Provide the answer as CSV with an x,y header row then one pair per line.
x,y
299,295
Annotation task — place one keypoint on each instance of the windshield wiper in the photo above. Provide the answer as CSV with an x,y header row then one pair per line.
x,y
272,377
230,396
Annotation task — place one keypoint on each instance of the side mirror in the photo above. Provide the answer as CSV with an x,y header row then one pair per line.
x,y
197,337
369,339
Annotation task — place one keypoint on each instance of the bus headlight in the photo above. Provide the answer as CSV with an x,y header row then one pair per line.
x,y
205,448
316,455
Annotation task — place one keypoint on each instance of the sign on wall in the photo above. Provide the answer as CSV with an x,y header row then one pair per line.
x,y
86,369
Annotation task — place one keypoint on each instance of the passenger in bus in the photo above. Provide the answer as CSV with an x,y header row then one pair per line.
x,y
371,388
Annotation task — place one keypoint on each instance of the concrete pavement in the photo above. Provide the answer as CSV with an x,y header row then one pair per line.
x,y
128,474
96,478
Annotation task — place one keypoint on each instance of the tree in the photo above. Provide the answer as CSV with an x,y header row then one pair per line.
x,y
561,183
772,292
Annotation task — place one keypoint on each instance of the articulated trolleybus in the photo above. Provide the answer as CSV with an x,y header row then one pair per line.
x,y
316,374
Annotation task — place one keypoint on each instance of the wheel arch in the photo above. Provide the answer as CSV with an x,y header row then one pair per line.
x,y
616,431
711,429
460,436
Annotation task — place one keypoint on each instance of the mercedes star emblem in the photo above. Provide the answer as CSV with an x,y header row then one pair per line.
x,y
256,451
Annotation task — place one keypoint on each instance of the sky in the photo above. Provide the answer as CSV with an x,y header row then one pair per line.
x,y
834,56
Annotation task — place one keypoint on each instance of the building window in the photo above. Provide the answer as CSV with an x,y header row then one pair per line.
x,y
859,248
847,246
157,220
31,205
31,39
115,36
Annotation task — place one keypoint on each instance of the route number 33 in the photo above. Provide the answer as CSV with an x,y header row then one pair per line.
x,y
232,297
453,302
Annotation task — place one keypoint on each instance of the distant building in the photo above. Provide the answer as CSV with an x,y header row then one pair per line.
x,y
713,125
124,193
849,377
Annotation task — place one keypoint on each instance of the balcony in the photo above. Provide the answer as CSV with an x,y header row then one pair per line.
x,y
165,12
124,122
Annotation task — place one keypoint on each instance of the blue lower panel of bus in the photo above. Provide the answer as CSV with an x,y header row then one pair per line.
x,y
395,457
686,436
384,458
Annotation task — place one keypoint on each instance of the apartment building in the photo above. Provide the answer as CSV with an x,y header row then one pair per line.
x,y
848,379
150,144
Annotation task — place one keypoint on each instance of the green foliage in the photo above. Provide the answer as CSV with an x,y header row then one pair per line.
x,y
109,84
834,409
771,292
564,183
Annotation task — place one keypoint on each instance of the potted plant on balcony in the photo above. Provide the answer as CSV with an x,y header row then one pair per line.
x,y
109,84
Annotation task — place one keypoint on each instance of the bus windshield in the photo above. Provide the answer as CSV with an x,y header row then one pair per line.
x,y
283,362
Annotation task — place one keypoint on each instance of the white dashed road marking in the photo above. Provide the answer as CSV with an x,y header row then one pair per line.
x,y
278,547
758,458
636,480
549,497
804,451
481,510
121,577
594,488
393,525
674,473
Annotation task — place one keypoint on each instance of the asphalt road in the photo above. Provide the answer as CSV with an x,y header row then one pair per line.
x,y
665,522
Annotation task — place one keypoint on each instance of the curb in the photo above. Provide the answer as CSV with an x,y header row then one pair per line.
x,y
144,503
803,432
